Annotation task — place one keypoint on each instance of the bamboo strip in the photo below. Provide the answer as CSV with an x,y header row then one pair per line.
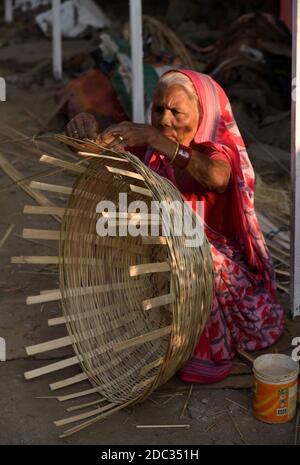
x,y
137,270
16,176
163,426
43,186
143,384
52,367
68,381
158,301
54,260
55,294
131,216
82,416
48,234
142,339
87,404
43,210
57,321
151,365
36,260
44,234
140,190
62,164
6,234
75,395
85,424
49,345
98,155
152,240
130,174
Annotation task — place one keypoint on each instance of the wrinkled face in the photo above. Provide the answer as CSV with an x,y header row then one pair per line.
x,y
176,114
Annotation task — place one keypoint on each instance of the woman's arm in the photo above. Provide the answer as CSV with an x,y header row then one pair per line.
x,y
213,175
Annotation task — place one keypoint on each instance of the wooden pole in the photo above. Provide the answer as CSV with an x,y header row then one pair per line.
x,y
8,11
137,72
56,40
295,166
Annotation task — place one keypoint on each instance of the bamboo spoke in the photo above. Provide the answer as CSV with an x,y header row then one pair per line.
x,y
137,270
142,339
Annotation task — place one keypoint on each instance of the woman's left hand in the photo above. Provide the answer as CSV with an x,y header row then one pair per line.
x,y
127,134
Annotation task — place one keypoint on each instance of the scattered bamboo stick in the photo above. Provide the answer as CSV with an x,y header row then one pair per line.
x,y
16,176
162,426
6,234
236,426
186,402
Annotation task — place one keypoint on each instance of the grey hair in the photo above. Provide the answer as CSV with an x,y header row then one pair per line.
x,y
174,78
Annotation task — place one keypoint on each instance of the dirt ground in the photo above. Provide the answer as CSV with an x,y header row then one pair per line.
x,y
218,414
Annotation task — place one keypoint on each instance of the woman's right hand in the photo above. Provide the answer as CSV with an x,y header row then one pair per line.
x,y
83,126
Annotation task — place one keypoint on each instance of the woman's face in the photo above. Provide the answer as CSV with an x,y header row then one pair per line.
x,y
176,114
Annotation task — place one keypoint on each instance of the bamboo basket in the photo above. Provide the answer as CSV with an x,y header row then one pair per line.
x,y
134,307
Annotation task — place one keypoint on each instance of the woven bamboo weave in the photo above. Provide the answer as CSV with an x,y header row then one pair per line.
x,y
125,350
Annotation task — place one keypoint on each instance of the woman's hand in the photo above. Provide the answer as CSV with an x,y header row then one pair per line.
x,y
127,134
83,126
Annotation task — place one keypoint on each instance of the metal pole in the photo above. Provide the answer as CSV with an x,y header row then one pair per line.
x,y
8,11
56,40
295,165
137,72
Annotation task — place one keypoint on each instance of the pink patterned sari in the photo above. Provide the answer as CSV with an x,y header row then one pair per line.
x,y
245,311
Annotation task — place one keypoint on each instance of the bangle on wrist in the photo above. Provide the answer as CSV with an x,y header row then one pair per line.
x,y
182,157
175,153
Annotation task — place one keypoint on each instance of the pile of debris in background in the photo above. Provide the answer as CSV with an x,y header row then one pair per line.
x,y
248,53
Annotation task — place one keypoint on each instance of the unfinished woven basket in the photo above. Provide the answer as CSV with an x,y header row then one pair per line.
x,y
134,307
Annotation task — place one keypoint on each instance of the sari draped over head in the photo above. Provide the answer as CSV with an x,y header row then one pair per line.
x,y
245,311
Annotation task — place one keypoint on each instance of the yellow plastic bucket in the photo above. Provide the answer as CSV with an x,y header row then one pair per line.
x,y
275,382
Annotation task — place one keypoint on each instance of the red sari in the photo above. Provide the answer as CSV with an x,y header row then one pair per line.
x,y
245,311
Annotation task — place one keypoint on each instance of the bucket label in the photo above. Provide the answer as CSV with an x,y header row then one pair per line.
x,y
273,403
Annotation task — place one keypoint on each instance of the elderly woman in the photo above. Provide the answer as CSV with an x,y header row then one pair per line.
x,y
194,142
